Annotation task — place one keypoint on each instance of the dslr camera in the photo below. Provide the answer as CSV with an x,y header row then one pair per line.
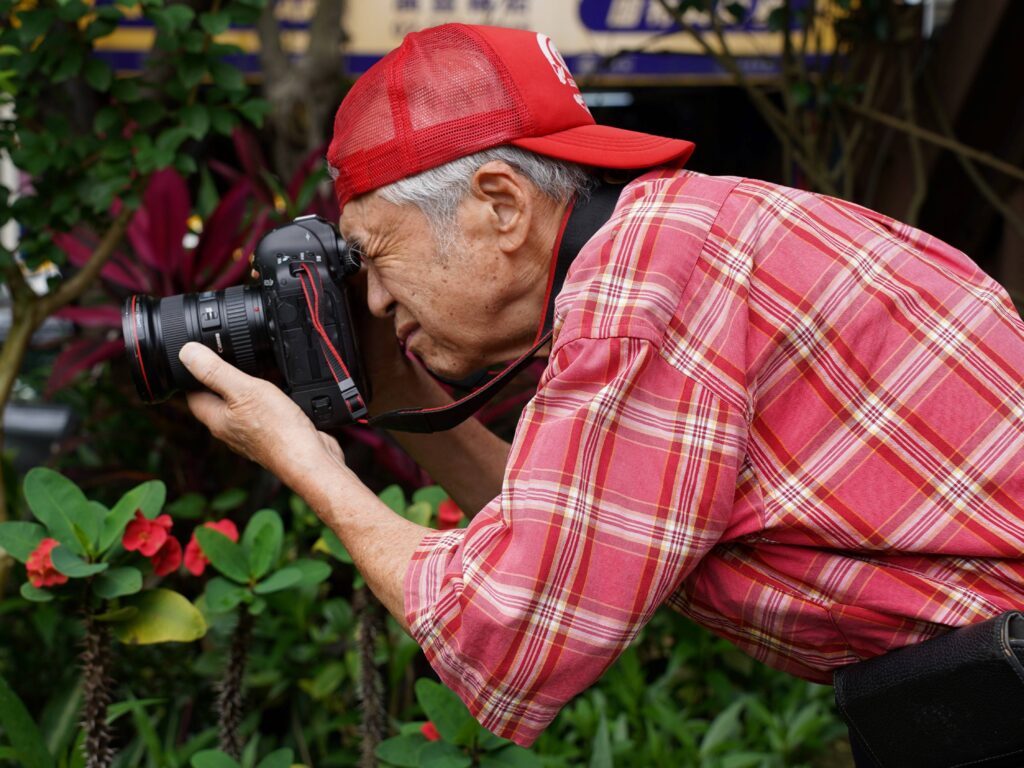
x,y
294,326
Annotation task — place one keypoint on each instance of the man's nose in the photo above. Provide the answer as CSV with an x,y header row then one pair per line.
x,y
378,299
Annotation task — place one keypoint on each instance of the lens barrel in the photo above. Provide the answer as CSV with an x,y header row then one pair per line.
x,y
232,322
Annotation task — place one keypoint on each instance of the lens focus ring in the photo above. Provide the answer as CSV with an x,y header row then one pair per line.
x,y
175,335
238,328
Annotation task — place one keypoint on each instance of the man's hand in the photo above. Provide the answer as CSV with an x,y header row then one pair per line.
x,y
259,421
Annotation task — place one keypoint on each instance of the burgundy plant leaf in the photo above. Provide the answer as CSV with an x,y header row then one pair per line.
x,y
313,161
222,234
247,148
238,269
78,246
80,356
228,172
123,272
158,227
106,316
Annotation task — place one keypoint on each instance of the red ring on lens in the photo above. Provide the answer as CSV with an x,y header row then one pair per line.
x,y
138,349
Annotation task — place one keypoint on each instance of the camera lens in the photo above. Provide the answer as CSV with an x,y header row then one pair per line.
x,y
232,322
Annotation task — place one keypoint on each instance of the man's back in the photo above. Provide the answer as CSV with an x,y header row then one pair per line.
x,y
879,486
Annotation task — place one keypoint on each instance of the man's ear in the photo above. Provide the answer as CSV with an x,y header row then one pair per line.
x,y
506,203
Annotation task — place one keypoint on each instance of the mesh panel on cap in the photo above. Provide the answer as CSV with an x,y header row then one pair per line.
x,y
440,96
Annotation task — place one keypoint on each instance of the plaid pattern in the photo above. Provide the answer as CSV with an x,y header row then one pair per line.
x,y
790,418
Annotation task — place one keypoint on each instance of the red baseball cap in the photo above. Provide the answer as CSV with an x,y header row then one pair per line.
x,y
449,91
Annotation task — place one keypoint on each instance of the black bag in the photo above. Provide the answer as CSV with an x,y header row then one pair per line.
x,y
954,700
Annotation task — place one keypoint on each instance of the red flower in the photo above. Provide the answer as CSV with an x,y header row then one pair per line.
x,y
39,565
195,560
167,558
429,731
448,515
144,535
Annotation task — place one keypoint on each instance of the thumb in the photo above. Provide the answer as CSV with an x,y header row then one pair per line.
x,y
211,371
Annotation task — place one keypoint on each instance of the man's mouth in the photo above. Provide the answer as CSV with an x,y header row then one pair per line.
x,y
405,332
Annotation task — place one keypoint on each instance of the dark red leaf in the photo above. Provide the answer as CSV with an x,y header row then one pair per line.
x,y
247,148
157,228
222,234
80,356
311,162
106,316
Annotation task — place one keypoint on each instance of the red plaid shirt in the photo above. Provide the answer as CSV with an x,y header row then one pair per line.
x,y
792,419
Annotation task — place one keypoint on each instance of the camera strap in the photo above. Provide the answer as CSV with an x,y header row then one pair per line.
x,y
582,220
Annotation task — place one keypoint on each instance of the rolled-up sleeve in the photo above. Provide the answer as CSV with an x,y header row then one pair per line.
x,y
622,476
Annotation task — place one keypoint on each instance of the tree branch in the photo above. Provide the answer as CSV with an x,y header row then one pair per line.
x,y
960,149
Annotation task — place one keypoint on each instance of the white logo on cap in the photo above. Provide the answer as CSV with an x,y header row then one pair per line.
x,y
559,67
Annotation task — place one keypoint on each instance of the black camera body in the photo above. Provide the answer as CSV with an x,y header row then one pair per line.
x,y
297,319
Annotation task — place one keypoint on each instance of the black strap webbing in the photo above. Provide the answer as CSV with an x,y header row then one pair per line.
x,y
586,218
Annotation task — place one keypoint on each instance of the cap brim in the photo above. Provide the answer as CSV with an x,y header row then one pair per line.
x,y
607,147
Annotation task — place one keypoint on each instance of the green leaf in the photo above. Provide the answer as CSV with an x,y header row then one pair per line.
x,y
723,729
21,731
394,498
149,497
215,23
226,76
601,751
173,18
188,507
118,582
223,595
163,617
125,90
419,513
511,756
282,579
223,120
36,594
72,566
254,110
61,506
117,614
262,541
224,554
432,495
313,571
281,758
190,70
327,680
229,499
98,74
402,751
106,119
70,63
195,119
441,754
21,538
447,712
169,141
212,758
335,547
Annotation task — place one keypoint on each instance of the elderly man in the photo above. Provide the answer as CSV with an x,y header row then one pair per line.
x,y
790,418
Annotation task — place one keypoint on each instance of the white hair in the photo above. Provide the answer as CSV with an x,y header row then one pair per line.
x,y
439,191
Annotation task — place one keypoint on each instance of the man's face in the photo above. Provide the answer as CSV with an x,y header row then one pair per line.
x,y
448,309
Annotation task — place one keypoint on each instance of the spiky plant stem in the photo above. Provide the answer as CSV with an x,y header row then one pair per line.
x,y
230,698
371,687
97,685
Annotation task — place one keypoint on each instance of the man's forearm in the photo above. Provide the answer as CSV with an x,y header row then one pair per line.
x,y
380,542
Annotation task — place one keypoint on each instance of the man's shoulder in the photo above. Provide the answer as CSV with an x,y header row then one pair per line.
x,y
627,280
